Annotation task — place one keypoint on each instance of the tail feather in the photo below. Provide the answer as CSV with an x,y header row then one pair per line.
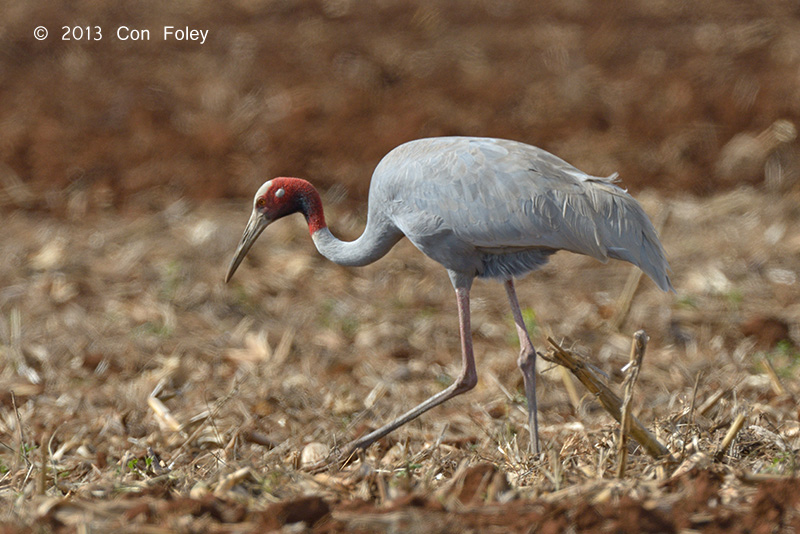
x,y
629,235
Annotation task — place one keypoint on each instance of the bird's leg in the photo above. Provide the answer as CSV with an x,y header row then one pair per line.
x,y
466,381
527,364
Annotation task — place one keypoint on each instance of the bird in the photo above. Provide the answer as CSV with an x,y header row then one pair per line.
x,y
482,208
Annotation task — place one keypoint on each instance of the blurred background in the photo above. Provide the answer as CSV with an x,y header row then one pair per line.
x,y
675,96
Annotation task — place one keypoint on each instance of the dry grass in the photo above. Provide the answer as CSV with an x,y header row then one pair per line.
x,y
138,392
146,390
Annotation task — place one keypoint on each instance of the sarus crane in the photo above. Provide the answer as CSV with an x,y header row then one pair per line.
x,y
481,207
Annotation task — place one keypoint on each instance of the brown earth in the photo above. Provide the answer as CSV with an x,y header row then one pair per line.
x,y
139,393
322,89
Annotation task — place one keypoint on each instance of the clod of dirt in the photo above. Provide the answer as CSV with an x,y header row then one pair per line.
x,y
309,510
770,505
766,330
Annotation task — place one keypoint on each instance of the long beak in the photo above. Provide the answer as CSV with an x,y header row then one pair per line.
x,y
254,227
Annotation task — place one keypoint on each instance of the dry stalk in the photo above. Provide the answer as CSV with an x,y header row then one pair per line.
x,y
712,401
626,298
731,434
284,347
694,396
698,460
41,482
163,414
21,448
610,401
52,459
383,489
777,385
572,391
638,348
754,479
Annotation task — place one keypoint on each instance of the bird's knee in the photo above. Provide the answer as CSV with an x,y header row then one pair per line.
x,y
466,382
527,358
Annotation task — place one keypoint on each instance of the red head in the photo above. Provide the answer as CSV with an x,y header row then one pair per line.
x,y
278,198
281,196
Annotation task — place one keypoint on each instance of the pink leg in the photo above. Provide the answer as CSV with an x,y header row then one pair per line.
x,y
466,381
527,364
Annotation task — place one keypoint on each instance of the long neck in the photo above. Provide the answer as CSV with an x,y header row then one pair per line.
x,y
378,238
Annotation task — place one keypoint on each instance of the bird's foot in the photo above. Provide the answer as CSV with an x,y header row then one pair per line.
x,y
337,459
349,454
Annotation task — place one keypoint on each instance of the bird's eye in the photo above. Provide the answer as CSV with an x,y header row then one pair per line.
x,y
260,203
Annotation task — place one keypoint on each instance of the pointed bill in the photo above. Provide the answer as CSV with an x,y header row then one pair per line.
x,y
254,227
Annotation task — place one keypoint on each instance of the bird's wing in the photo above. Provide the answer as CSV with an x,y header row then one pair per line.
x,y
497,194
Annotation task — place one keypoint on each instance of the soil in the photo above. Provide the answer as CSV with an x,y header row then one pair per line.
x,y
140,393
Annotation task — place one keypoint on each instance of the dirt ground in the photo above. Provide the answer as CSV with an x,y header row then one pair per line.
x,y
140,393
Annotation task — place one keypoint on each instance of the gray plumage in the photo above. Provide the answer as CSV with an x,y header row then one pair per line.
x,y
496,208
487,208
